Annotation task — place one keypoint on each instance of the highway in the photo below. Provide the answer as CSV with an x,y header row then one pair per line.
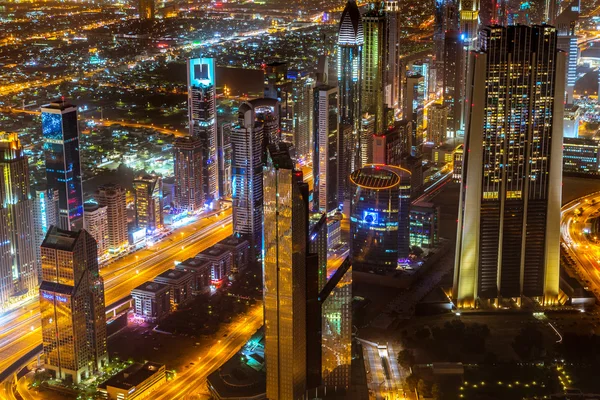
x,y
21,330
582,247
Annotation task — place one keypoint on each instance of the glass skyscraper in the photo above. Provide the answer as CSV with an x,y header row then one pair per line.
x,y
63,168
148,193
509,210
187,154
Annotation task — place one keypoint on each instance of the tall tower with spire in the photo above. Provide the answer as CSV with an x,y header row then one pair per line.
x,y
349,53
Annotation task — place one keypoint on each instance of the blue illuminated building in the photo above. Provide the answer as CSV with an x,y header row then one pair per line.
x,y
63,168
379,223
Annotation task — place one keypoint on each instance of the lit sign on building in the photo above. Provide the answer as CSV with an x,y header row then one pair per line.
x,y
51,297
370,217
201,71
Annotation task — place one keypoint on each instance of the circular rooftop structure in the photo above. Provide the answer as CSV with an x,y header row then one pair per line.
x,y
379,177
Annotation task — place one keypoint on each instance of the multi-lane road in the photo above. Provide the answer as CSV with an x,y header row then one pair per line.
x,y
579,241
20,330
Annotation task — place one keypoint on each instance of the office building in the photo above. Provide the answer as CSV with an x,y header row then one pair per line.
x,y
151,302
18,262
336,326
146,9
96,223
379,236
278,86
302,97
457,163
453,87
187,154
437,123
325,152
247,184
509,211
373,65
202,115
60,130
180,285
45,214
424,225
221,259
349,62
114,198
137,381
566,25
572,121
225,152
413,109
240,250
392,53
580,156
284,269
201,271
392,145
72,306
148,203
345,143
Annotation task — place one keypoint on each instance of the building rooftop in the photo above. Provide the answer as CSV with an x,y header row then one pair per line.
x,y
192,262
151,287
57,288
213,252
132,376
375,178
60,239
60,105
172,275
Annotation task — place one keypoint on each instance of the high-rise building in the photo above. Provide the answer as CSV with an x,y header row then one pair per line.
x,y
63,169
325,152
393,145
345,143
247,182
96,223
114,198
349,53
454,86
509,211
284,269
373,64
367,131
45,214
379,216
413,109
72,306
392,53
225,152
203,120
581,156
18,262
278,86
148,202
302,97
187,152
572,120
146,9
437,123
566,25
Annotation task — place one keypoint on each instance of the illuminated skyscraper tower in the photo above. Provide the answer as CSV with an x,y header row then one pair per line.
x,y
566,25
509,211
325,152
114,198
148,202
349,53
146,9
187,152
45,214
203,120
284,269
18,272
392,61
72,306
63,169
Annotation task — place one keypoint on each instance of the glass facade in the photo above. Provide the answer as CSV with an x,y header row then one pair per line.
x,y
63,170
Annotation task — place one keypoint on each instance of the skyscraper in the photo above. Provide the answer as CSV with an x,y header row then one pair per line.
x,y
453,88
72,306
113,197
393,145
373,65
203,120
148,202
63,170
187,152
509,211
284,269
414,105
96,224
325,152
247,182
45,214
18,262
349,63
437,123
566,25
392,53
225,153
302,97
